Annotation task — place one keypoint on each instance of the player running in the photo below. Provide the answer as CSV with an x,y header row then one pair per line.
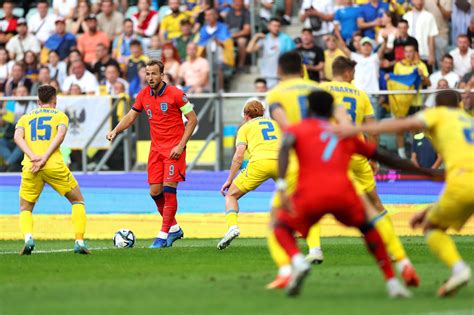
x,y
39,134
359,108
324,159
164,105
452,133
288,105
261,137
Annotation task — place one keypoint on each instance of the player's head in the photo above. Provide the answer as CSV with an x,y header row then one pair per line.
x,y
343,68
47,95
253,109
320,104
290,64
154,73
448,98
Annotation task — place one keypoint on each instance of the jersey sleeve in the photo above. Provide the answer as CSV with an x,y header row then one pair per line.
x,y
20,123
63,120
182,102
430,116
272,100
138,105
241,137
364,148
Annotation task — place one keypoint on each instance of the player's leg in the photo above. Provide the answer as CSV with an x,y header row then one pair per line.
x,y
78,213
231,212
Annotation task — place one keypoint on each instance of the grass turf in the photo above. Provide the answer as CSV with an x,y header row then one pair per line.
x,y
194,278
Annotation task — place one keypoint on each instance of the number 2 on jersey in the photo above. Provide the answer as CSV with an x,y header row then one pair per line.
x,y
331,144
39,124
352,110
267,130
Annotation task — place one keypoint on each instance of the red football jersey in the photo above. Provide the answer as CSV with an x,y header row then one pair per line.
x,y
323,157
164,115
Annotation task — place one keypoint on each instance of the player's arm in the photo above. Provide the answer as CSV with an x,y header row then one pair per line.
x,y
371,136
124,123
19,138
235,166
188,132
385,126
287,144
53,146
277,113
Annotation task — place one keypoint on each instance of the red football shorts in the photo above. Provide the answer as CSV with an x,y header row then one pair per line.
x,y
163,169
346,207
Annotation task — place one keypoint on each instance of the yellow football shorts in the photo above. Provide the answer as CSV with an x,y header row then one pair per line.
x,y
456,203
362,174
60,179
255,174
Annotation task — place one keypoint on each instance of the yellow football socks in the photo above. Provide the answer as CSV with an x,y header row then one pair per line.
x,y
392,242
278,254
79,219
443,246
314,237
231,218
26,222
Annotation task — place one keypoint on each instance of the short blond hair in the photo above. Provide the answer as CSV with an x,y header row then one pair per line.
x,y
254,108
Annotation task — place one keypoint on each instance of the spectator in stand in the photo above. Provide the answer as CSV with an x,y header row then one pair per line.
x,y
422,26
470,32
441,10
17,78
112,76
44,77
330,54
171,60
260,86
312,55
78,25
468,76
103,60
138,82
431,99
64,8
31,65
181,42
155,50
120,90
266,9
7,22
145,21
272,45
22,42
74,55
318,16
345,20
57,68
75,90
388,29
238,21
55,84
121,43
402,39
194,72
355,42
370,18
61,41
5,68
461,17
170,25
82,77
424,155
88,41
462,55
41,24
446,72
110,20
136,60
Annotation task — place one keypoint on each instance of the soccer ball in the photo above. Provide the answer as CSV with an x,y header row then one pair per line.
x,y
124,239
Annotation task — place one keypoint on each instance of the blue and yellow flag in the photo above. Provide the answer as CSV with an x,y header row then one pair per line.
x,y
9,116
400,104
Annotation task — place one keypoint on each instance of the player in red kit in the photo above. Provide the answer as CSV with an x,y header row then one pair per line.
x,y
164,105
324,159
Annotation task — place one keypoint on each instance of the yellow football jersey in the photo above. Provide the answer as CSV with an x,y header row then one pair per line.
x,y
452,135
40,126
291,95
262,137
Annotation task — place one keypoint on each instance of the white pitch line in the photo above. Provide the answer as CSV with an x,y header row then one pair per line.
x,y
54,251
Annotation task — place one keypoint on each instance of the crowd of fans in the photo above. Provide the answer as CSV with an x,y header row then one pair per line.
x,y
100,47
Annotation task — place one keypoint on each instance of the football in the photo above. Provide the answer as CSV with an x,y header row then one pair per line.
x,y
124,239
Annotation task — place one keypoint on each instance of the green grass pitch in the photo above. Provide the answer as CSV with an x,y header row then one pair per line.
x,y
194,278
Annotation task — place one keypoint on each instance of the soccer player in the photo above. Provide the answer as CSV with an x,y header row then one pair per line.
x,y
260,136
39,134
319,151
359,109
452,133
288,105
164,105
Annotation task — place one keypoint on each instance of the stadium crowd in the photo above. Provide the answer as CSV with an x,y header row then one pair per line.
x,y
100,47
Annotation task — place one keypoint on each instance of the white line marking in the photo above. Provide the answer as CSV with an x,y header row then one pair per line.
x,y
54,251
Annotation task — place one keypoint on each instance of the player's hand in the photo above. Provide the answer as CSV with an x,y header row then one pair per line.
x,y
225,187
375,166
176,152
343,131
431,60
38,164
111,135
285,201
418,219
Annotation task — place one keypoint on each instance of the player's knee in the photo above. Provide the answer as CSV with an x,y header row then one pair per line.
x,y
366,227
155,191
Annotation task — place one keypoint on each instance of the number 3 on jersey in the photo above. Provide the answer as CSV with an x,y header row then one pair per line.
x,y
267,130
38,124
352,107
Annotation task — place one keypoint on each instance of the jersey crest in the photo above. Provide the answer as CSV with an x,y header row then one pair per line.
x,y
164,107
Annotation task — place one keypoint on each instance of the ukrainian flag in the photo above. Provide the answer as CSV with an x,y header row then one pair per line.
x,y
400,104
9,116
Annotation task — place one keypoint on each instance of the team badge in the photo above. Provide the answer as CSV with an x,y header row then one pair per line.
x,y
185,99
164,107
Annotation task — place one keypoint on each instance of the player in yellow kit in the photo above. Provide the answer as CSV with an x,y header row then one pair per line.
x,y
359,108
260,136
452,134
39,134
288,105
